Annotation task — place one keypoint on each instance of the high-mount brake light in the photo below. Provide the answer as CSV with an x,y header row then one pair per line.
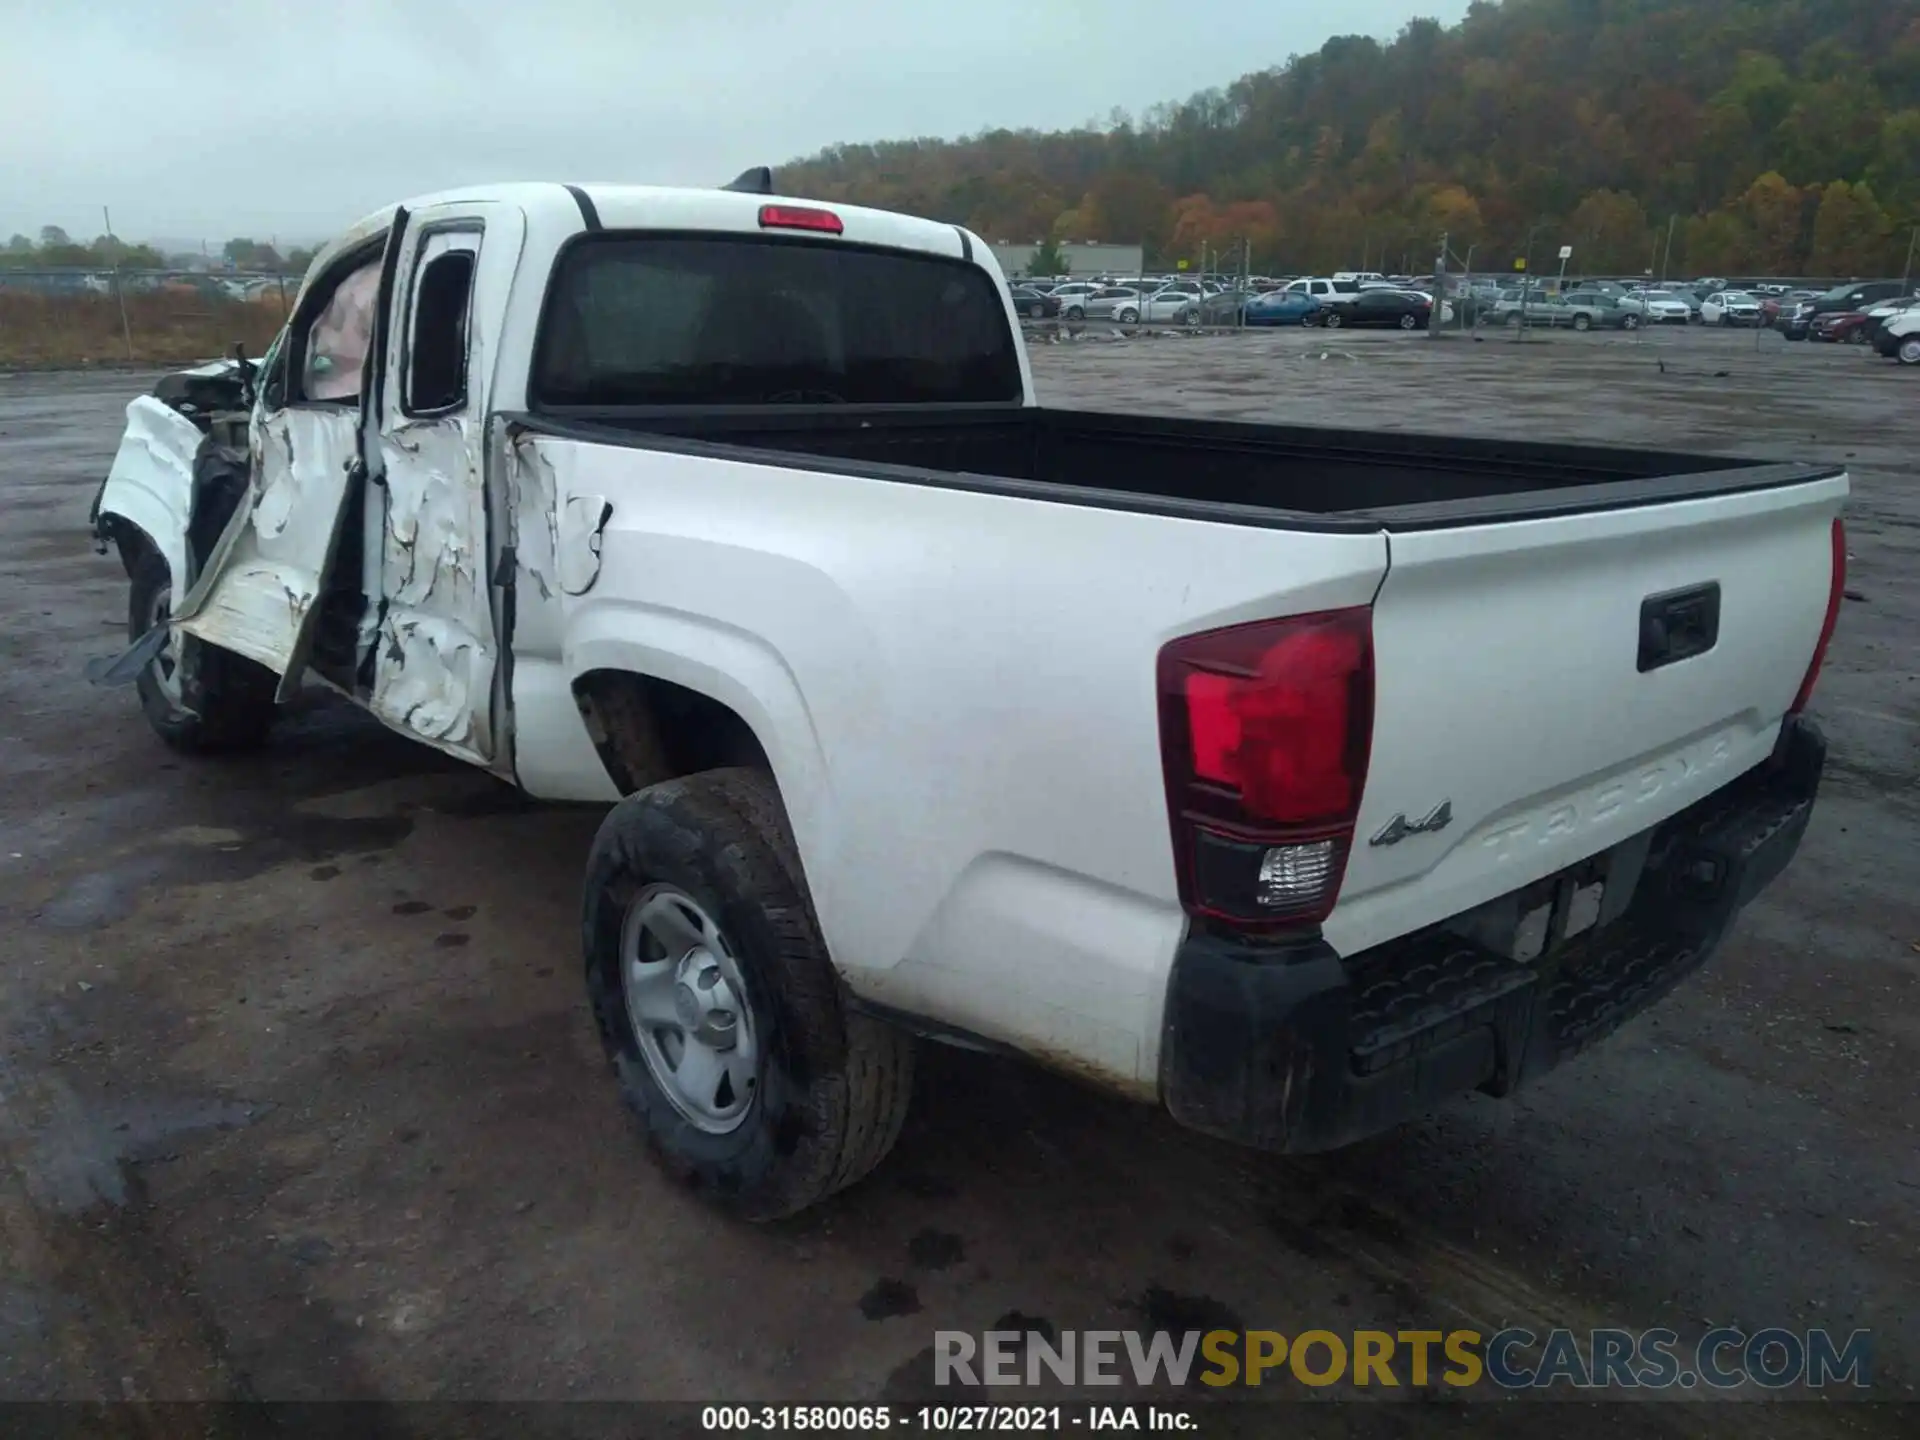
x,y
1264,735
800,217
1836,592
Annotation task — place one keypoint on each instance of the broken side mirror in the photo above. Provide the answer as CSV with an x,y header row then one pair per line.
x,y
245,370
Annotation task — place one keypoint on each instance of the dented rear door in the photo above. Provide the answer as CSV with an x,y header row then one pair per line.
x,y
435,644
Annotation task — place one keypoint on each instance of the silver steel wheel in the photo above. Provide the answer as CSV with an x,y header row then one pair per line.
x,y
1909,351
165,665
689,1009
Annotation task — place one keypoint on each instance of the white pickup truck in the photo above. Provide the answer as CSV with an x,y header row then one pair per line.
x,y
1296,779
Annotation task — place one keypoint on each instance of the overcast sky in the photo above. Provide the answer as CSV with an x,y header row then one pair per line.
x,y
216,118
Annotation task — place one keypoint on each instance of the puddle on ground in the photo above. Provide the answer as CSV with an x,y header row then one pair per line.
x,y
199,855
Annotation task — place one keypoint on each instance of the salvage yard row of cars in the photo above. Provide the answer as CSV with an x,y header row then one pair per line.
x,y
1882,313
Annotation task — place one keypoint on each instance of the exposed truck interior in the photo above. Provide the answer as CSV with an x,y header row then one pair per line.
x,y
1228,469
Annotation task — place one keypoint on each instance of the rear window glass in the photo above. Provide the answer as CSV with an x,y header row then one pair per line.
x,y
705,320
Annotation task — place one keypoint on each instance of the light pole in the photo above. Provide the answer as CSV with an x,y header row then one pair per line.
x,y
1526,280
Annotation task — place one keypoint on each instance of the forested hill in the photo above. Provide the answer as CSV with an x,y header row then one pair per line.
x,y
1784,135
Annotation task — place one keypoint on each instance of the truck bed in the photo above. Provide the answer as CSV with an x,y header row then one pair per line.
x,y
1298,476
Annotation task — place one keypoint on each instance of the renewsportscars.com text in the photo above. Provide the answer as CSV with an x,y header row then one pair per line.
x,y
1512,1359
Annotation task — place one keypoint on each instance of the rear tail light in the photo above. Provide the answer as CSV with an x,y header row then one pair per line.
x,y
1264,733
799,217
1836,591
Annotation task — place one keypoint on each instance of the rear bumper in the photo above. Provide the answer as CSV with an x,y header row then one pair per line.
x,y
1293,1047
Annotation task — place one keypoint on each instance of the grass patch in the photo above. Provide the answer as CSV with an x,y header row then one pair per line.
x,y
49,332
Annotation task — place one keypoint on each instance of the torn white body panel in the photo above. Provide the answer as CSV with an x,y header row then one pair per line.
x,y
431,680
257,597
433,672
150,485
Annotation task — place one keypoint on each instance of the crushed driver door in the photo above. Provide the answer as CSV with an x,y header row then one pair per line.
x,y
260,591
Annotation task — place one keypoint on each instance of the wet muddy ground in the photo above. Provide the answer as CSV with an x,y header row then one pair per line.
x,y
299,1097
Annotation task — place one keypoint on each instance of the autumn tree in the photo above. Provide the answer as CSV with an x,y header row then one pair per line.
x,y
1719,244
1735,115
1849,231
1047,259
1610,233
1775,216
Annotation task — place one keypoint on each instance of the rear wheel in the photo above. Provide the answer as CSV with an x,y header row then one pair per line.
x,y
1632,322
197,697
719,1007
1127,317
1074,312
1582,322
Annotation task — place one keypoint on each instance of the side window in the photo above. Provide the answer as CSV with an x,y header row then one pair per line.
x,y
335,353
437,339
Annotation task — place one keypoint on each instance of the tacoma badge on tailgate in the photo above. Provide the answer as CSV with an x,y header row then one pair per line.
x,y
1399,828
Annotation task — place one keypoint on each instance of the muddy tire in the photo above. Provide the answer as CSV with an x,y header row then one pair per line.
x,y
198,698
822,1090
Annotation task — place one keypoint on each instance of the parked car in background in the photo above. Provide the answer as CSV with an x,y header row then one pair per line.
x,y
1101,303
1332,294
1730,307
1898,338
1073,297
1695,300
1781,303
1851,296
1880,316
1377,308
1283,307
1522,306
1034,304
1598,310
1847,327
1659,307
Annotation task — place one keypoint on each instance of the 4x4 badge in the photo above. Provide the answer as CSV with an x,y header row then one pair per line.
x,y
1399,828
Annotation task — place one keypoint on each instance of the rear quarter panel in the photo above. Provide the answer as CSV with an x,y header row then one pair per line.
x,y
957,692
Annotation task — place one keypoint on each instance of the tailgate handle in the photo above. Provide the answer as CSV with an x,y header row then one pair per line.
x,y
1679,625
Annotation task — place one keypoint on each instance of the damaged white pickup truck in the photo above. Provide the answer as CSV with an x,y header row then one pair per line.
x,y
1296,779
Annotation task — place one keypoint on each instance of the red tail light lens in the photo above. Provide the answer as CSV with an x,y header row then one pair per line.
x,y
799,217
1264,736
1836,592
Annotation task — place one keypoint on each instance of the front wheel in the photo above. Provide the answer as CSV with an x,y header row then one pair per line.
x,y
719,1007
1909,351
1074,312
1632,322
1333,320
1191,319
197,697
1127,317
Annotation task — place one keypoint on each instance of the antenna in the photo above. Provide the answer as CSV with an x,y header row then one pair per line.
x,y
757,181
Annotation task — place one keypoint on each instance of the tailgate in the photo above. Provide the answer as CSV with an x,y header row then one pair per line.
x,y
1514,687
